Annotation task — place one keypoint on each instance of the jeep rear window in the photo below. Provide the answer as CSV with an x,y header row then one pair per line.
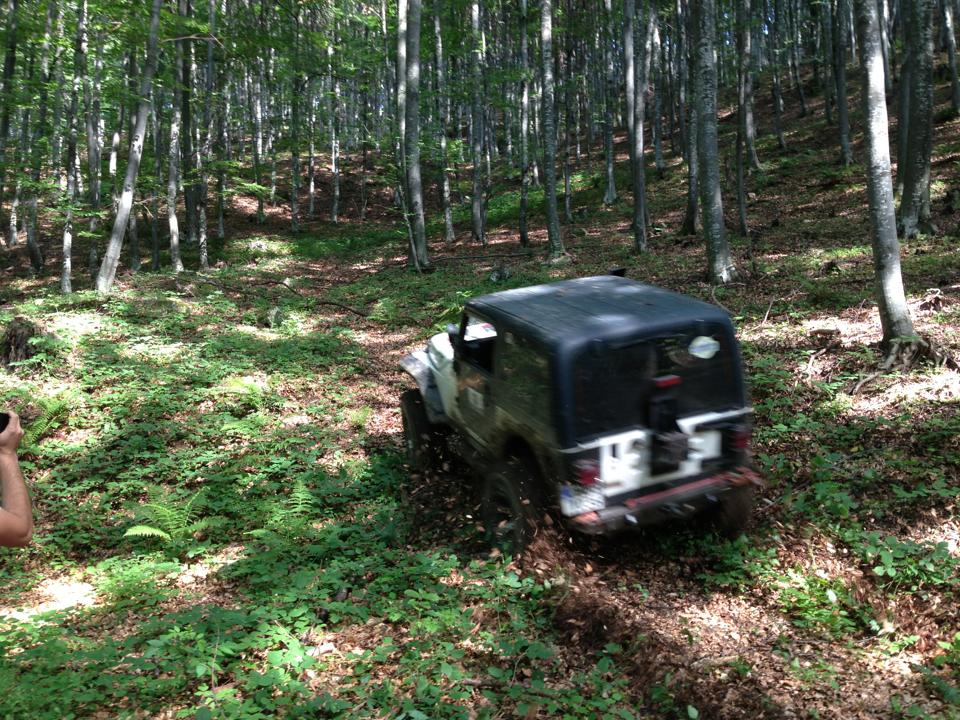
x,y
613,385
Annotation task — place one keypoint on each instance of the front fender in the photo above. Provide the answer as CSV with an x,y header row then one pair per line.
x,y
417,365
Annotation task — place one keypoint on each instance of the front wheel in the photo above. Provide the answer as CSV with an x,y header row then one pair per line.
x,y
420,436
510,505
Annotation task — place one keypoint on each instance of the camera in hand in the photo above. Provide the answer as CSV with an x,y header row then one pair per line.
x,y
4,419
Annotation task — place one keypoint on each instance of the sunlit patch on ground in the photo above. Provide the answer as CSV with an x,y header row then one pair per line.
x,y
52,594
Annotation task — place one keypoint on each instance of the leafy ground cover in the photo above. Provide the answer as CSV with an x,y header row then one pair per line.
x,y
227,528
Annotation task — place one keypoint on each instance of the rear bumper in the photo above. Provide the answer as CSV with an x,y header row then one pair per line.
x,y
676,502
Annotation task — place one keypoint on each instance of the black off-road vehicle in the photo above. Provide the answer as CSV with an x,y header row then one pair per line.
x,y
617,403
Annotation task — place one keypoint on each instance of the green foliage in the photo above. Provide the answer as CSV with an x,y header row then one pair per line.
x,y
175,520
909,565
52,412
821,603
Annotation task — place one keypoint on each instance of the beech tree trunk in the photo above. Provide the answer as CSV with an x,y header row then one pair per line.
x,y
720,267
555,242
418,248
610,100
951,39
894,313
443,114
524,124
108,269
173,168
840,73
477,201
915,203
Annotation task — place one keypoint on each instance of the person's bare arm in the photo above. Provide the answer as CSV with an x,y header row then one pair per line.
x,y
16,514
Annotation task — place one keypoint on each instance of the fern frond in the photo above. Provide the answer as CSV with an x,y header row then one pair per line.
x,y
146,531
52,411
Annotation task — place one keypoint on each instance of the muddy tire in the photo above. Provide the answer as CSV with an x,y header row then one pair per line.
x,y
732,515
421,437
510,505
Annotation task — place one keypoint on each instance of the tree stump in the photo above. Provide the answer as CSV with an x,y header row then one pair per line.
x,y
15,346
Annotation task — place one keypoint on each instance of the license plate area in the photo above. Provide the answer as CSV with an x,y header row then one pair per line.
x,y
576,499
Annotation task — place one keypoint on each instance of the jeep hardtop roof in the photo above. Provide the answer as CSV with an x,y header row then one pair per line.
x,y
567,314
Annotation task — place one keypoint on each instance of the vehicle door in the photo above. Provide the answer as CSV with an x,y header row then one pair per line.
x,y
475,366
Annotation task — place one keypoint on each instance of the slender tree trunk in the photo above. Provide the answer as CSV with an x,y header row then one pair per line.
x,y
795,58
256,107
747,68
948,32
777,92
915,205
478,205
418,250
157,181
6,89
567,122
610,100
297,87
891,299
888,64
173,166
443,113
66,271
555,242
657,93
635,104
186,136
721,269
108,269
691,218
840,68
743,52
830,86
335,135
92,122
524,124
312,160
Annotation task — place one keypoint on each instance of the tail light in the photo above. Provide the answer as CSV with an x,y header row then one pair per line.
x,y
586,472
740,437
666,381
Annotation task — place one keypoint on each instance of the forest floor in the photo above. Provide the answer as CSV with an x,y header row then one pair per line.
x,y
250,413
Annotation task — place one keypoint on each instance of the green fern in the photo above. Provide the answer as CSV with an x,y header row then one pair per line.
x,y
52,412
173,520
290,514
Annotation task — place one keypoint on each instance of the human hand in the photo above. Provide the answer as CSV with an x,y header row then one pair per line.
x,y
11,435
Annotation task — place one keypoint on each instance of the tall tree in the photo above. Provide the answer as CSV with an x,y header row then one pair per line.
x,y
524,123
418,248
443,116
691,217
635,103
915,203
840,76
610,100
894,313
6,86
108,270
555,242
476,125
948,32
720,267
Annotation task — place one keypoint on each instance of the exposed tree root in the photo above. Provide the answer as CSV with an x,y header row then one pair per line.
x,y
905,354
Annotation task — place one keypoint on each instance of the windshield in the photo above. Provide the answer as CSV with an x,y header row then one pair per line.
x,y
613,385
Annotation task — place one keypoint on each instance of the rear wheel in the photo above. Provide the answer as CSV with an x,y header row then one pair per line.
x,y
421,437
732,516
510,505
